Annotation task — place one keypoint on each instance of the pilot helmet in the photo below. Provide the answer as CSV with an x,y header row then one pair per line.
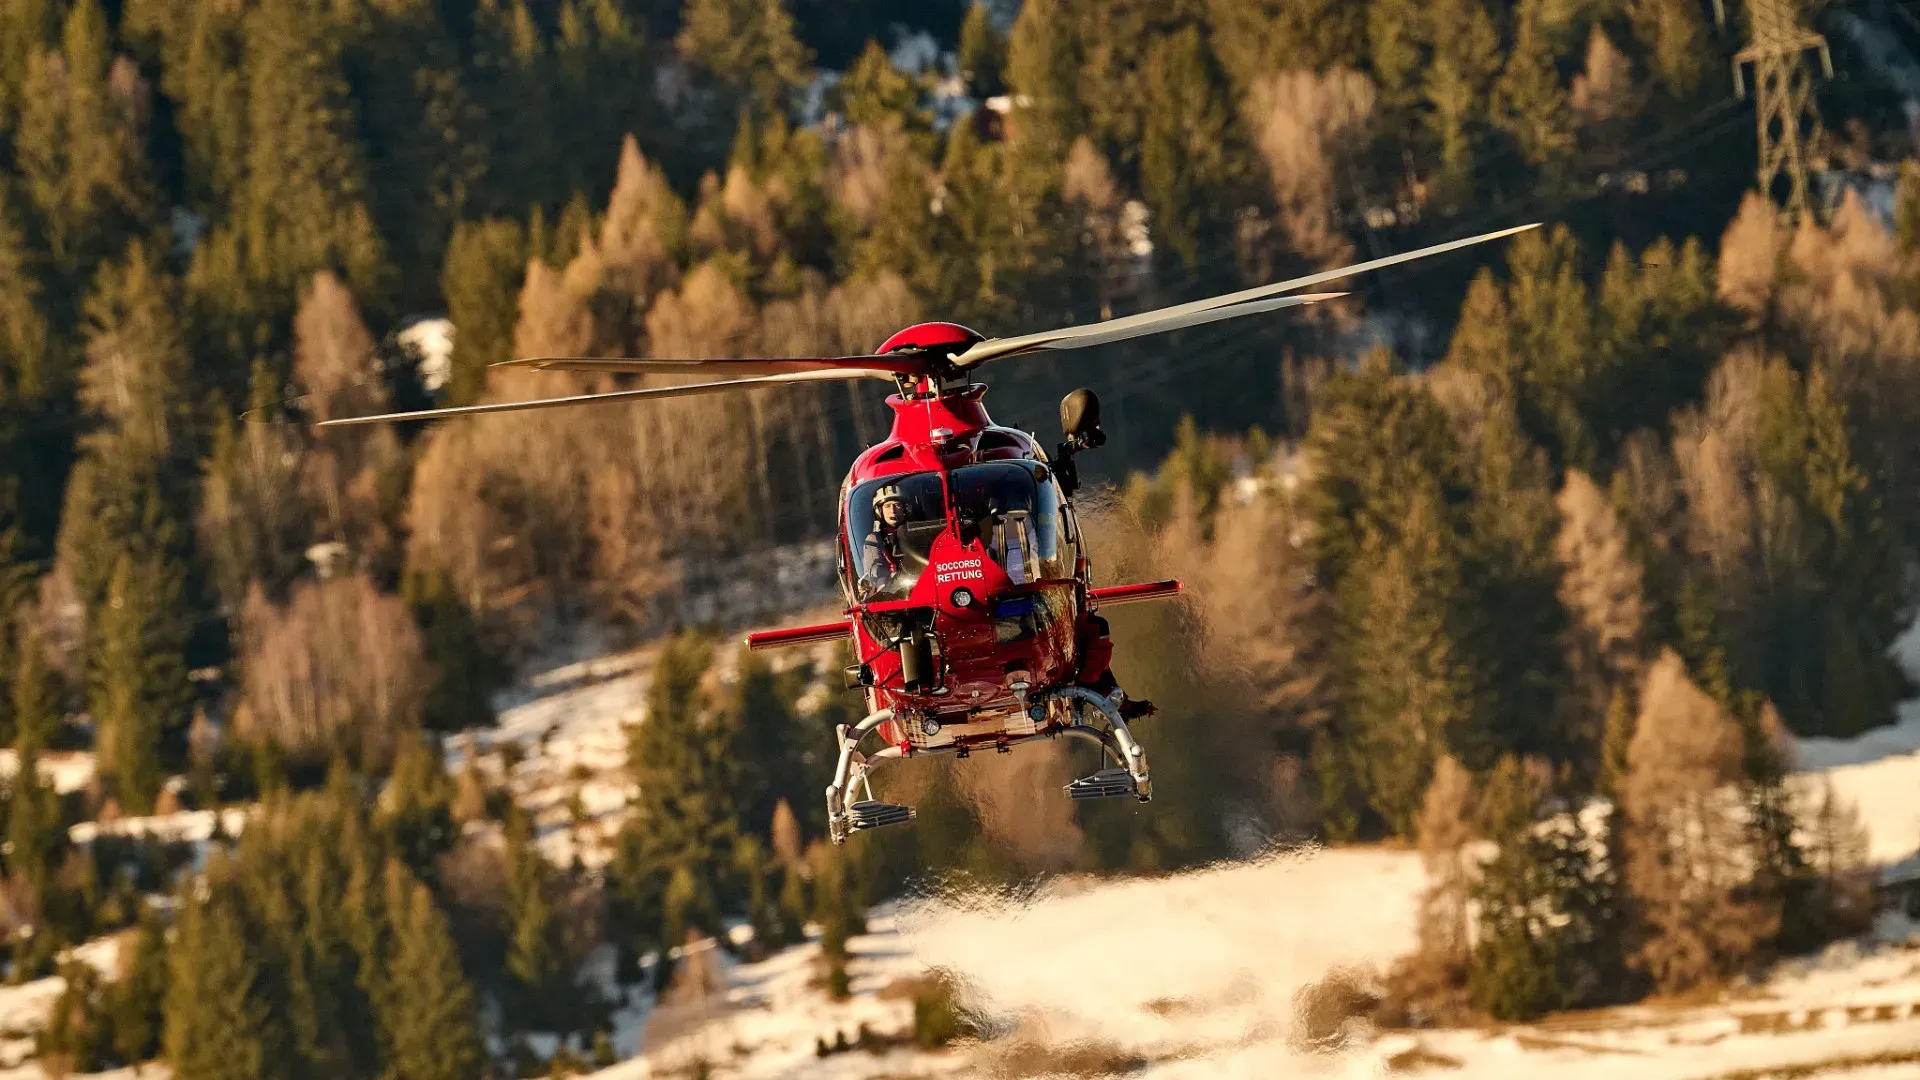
x,y
887,493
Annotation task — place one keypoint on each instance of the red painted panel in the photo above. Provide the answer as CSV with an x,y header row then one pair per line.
x,y
798,635
1127,594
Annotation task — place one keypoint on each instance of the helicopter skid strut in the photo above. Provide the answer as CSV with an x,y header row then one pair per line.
x,y
851,776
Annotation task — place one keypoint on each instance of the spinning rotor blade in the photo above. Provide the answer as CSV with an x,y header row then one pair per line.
x,y
1109,331
1244,302
689,390
893,364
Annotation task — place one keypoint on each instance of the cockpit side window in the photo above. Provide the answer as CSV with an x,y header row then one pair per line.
x,y
891,526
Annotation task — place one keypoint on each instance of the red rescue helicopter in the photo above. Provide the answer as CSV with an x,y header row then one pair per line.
x,y
970,601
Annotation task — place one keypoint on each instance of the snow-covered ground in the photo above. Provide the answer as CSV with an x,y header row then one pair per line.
x,y
1196,975
1879,771
567,722
1193,975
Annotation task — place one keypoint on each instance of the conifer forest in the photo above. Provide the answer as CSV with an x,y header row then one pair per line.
x,y
1534,561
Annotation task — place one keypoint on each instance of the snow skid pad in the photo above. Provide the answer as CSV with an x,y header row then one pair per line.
x,y
1110,783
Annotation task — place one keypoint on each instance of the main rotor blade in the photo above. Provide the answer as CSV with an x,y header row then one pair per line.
x,y
688,390
1110,333
1169,318
900,363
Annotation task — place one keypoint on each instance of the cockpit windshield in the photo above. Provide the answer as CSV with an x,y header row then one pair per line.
x,y
891,526
1014,508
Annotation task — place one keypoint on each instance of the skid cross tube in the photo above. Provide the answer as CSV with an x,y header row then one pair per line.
x,y
848,768
853,768
1131,754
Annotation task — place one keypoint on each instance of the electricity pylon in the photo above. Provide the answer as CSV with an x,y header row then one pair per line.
x,y
1784,109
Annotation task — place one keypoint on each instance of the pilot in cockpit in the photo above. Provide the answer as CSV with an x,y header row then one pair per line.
x,y
880,553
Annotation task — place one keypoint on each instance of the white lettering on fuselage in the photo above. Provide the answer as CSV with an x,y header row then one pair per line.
x,y
958,570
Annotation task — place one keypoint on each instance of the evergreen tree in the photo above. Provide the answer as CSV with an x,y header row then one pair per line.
x,y
26,28
1547,936
1256,37
749,45
139,998
602,64
686,811
37,841
833,908
486,264
34,706
1675,37
770,751
255,519
875,94
1188,153
514,87
1459,69
1514,971
982,55
429,1015
139,691
417,807
1529,103
129,492
220,1026
465,671
540,991
1411,693
81,149
299,206
1040,66
419,125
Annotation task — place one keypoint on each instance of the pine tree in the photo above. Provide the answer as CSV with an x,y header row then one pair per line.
x,y
219,1024
1410,694
686,811
1513,975
37,841
299,203
540,989
774,761
138,688
129,491
417,807
795,906
833,909
748,45
1529,103
414,115
139,998
1459,70
255,519
27,369
26,28
982,56
1188,171
465,670
1513,627
485,267
878,95
34,709
514,87
1040,70
81,148
429,1019
1674,35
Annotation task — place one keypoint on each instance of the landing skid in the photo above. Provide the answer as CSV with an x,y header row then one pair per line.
x,y
851,776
